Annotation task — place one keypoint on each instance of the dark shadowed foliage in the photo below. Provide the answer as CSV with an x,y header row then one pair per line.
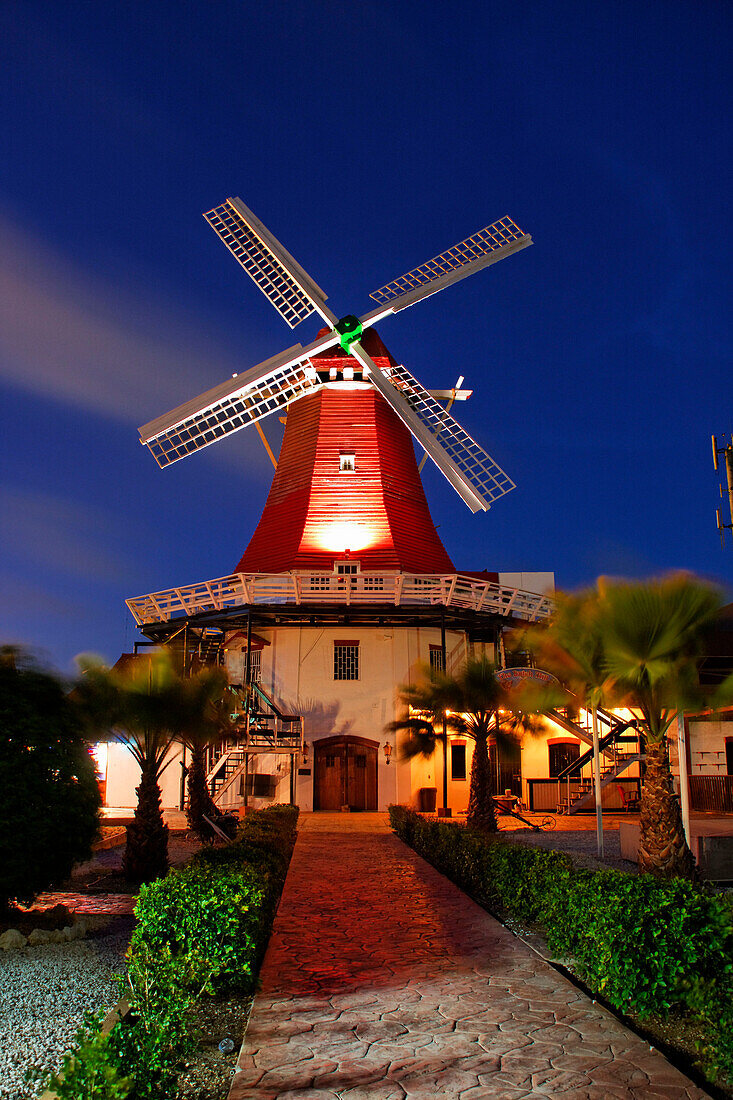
x,y
49,801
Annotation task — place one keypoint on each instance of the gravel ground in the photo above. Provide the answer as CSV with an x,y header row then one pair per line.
x,y
580,845
44,993
45,990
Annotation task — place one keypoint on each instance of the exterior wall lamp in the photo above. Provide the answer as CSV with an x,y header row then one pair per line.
x,y
304,753
387,751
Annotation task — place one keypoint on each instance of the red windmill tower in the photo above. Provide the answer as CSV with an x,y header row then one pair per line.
x,y
346,486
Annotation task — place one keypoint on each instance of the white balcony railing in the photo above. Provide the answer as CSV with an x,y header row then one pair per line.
x,y
451,590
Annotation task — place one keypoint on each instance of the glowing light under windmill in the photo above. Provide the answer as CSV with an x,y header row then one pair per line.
x,y
340,537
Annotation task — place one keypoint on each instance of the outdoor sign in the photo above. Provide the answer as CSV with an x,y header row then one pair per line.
x,y
513,677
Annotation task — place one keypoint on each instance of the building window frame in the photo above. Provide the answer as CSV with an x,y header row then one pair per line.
x,y
458,762
437,662
346,664
558,759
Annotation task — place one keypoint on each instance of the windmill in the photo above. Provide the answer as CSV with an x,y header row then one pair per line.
x,y
271,386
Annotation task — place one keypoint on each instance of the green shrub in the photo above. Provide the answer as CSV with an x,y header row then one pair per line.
x,y
200,930
220,906
212,913
90,1071
645,944
161,991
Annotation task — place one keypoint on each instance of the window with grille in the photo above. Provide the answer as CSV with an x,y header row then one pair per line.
x,y
344,569
347,462
320,583
346,660
437,664
255,665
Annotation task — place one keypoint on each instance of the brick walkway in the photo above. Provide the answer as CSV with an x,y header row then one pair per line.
x,y
382,980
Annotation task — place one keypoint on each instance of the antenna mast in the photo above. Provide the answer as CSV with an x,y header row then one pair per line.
x,y
727,450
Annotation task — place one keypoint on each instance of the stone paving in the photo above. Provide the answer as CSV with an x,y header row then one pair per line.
x,y
383,981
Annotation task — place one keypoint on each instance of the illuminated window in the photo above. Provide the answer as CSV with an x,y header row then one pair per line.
x,y
346,660
458,761
437,663
347,462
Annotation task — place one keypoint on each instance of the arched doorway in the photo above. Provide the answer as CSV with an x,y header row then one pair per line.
x,y
345,773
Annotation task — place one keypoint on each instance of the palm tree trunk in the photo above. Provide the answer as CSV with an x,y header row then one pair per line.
x,y
481,810
200,801
146,851
663,850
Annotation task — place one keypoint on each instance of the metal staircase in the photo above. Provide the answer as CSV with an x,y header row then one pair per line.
x,y
263,728
615,759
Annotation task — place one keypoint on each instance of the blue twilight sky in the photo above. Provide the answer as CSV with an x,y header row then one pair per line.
x,y
368,136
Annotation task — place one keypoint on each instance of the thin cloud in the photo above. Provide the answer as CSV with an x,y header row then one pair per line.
x,y
92,345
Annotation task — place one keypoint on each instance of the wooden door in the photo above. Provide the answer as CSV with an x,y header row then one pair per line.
x,y
329,775
345,773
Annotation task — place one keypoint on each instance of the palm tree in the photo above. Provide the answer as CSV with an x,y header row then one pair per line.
x,y
471,701
652,639
636,644
134,703
204,719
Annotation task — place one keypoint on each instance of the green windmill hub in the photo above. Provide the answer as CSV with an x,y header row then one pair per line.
x,y
349,329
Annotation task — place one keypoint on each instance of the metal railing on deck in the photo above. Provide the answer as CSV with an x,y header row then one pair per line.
x,y
297,588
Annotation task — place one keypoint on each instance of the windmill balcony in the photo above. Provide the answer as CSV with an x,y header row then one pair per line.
x,y
303,587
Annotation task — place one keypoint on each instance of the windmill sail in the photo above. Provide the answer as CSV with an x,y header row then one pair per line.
x,y
233,405
274,384
271,267
487,246
469,478
485,476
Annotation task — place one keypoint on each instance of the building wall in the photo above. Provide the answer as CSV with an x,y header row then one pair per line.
x,y
530,582
707,737
298,674
123,776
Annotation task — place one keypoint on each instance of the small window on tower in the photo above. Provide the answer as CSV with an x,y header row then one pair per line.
x,y
347,462
346,568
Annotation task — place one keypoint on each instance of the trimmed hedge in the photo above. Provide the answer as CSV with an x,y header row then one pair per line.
x,y
202,929
646,945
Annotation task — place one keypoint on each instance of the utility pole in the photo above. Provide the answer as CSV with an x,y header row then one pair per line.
x,y
727,451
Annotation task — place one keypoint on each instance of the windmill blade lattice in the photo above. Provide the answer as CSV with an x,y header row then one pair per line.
x,y
269,393
271,267
397,398
481,471
487,246
272,385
